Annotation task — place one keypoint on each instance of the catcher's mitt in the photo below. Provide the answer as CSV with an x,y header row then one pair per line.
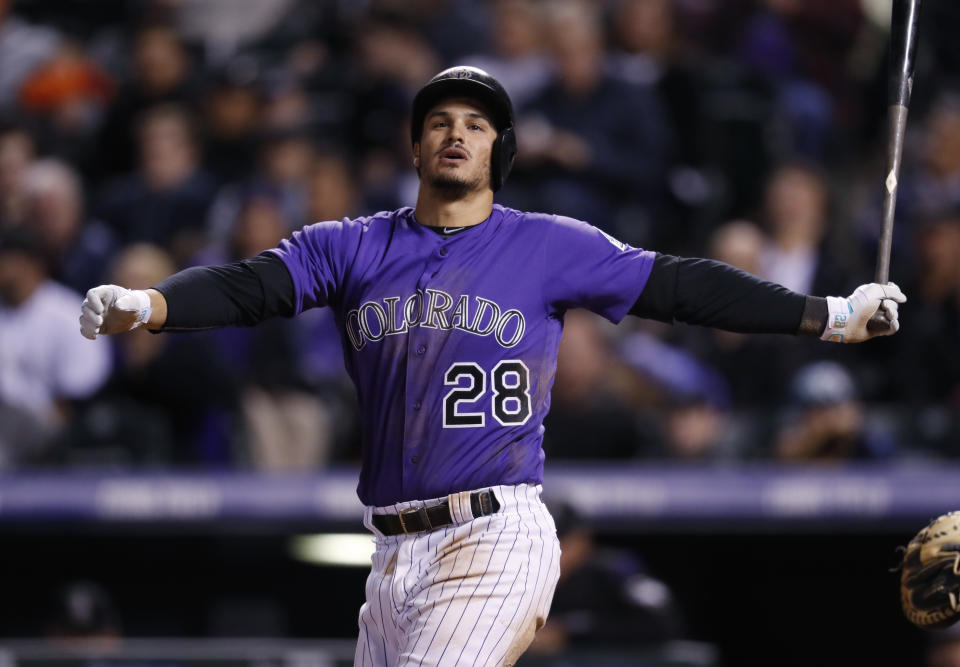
x,y
930,576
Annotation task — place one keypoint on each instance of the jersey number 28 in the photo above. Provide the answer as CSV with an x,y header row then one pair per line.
x,y
511,394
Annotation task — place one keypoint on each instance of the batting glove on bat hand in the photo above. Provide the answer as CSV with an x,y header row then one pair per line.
x,y
849,320
110,309
930,574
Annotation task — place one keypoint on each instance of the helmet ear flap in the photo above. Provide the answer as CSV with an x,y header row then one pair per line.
x,y
502,157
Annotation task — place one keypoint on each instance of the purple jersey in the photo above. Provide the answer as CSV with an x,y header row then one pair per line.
x,y
452,341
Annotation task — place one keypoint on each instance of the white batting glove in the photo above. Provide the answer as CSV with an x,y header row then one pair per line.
x,y
848,318
110,309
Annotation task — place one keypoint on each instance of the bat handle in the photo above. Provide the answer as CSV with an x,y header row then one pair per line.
x,y
898,125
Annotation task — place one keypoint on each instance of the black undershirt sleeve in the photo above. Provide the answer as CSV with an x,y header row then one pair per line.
x,y
714,294
695,291
242,293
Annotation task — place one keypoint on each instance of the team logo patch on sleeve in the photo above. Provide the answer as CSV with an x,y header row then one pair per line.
x,y
620,245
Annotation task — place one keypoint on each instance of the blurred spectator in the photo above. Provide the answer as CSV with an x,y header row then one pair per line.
x,y
517,58
287,425
67,97
160,75
17,151
333,192
739,243
226,26
232,114
453,27
79,251
290,106
700,430
692,399
147,413
929,183
84,616
261,226
285,175
796,45
931,344
753,366
825,421
287,430
392,49
589,418
935,185
167,200
605,597
288,155
942,151
393,60
925,376
583,134
796,211
44,365
651,54
22,48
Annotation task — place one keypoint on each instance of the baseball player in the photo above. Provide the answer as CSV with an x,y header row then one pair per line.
x,y
450,315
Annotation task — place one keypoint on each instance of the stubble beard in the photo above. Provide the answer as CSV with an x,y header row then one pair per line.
x,y
452,187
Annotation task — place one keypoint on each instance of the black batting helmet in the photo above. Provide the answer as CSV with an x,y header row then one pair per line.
x,y
472,82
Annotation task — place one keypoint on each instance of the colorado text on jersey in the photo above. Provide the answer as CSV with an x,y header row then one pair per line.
x,y
373,320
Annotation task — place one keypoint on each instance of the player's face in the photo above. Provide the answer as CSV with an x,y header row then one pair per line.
x,y
453,153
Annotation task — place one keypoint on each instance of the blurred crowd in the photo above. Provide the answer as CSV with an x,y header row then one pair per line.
x,y
138,137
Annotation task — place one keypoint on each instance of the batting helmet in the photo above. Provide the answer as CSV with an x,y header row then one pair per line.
x,y
474,83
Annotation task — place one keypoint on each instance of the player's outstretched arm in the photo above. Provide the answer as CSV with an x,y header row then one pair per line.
x,y
710,293
242,293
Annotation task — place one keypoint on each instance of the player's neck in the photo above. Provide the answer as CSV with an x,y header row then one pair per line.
x,y
435,211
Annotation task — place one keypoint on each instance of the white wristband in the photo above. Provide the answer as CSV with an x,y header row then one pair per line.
x,y
838,313
144,310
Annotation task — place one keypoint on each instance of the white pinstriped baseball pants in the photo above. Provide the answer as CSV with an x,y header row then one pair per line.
x,y
472,593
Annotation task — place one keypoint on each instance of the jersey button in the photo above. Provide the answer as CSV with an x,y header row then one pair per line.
x,y
443,251
414,459
417,405
421,350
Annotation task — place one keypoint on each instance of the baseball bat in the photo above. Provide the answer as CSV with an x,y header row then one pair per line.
x,y
904,21
903,47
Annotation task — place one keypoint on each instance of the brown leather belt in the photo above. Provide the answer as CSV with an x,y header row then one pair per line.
x,y
420,519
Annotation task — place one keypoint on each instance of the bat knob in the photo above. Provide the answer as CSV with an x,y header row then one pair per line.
x,y
878,323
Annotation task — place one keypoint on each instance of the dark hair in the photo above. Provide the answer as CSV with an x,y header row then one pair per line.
x,y
175,112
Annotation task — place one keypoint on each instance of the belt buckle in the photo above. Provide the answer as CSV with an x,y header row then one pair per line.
x,y
484,498
422,512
